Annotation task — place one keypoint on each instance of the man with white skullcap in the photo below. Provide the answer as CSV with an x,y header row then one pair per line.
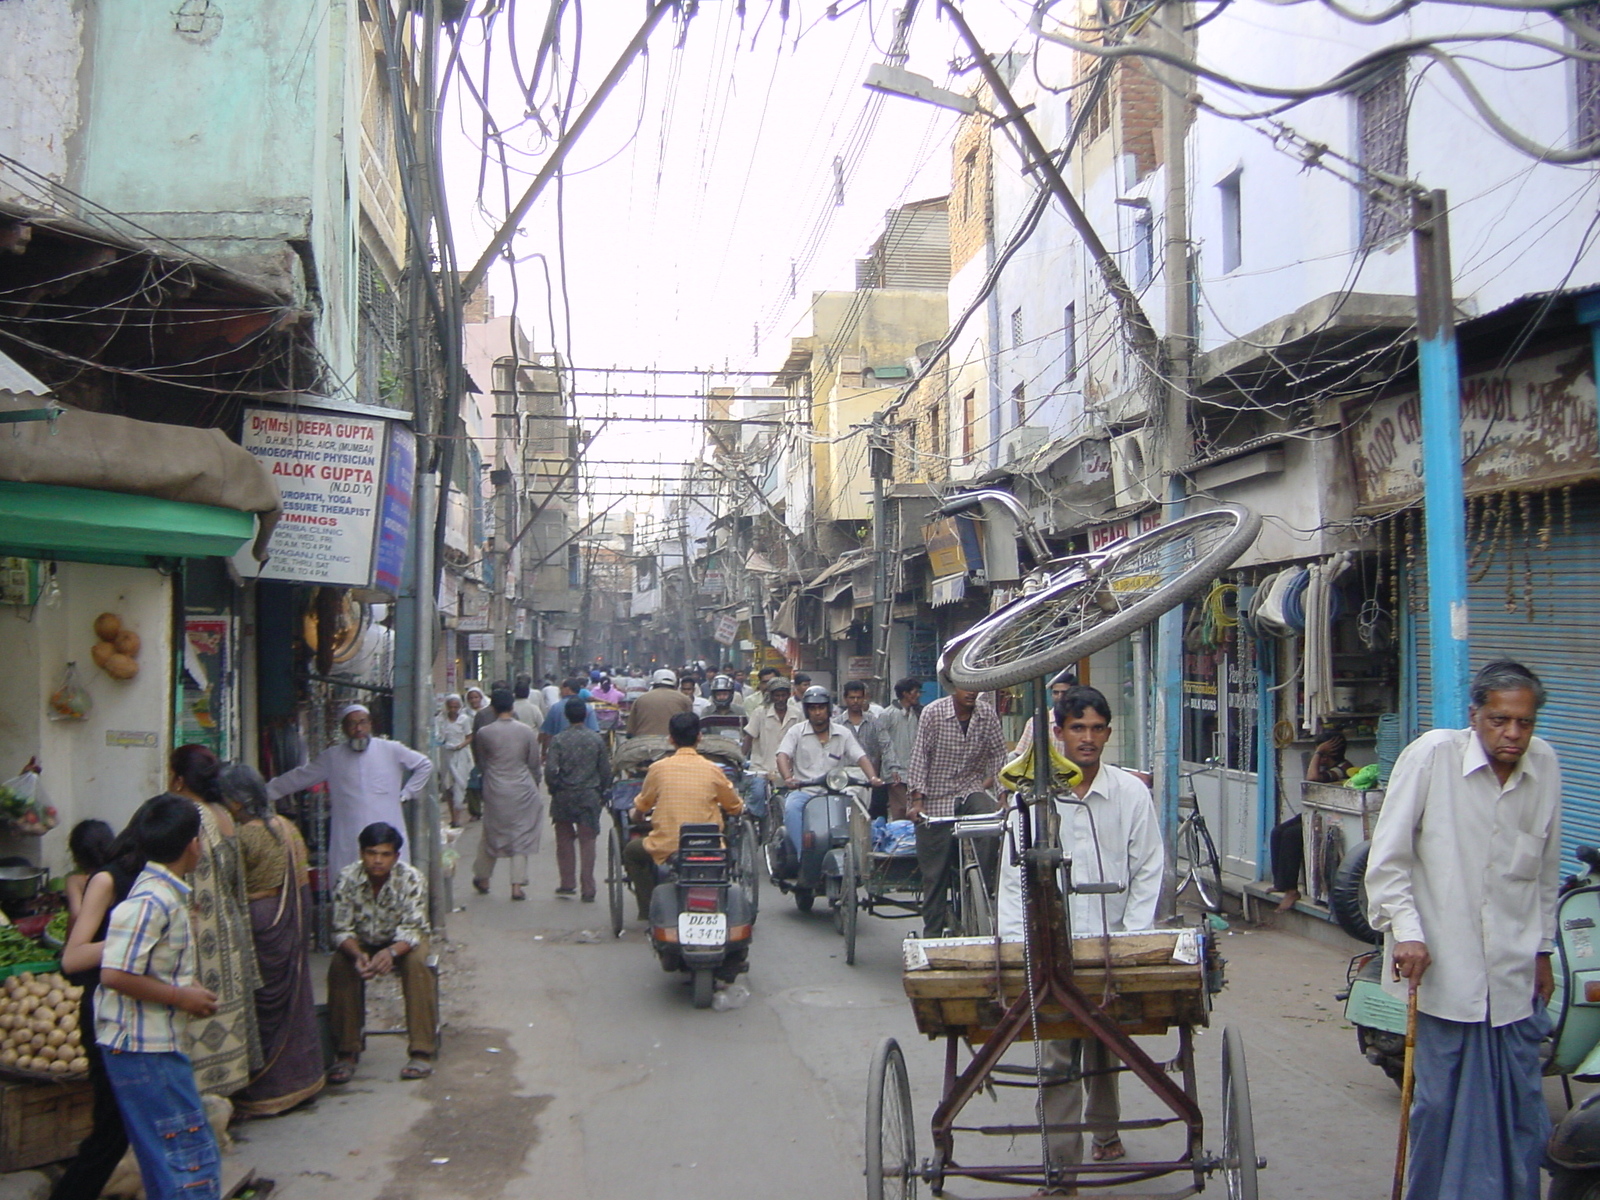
x,y
367,782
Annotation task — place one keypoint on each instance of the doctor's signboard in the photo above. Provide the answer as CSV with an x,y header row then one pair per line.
x,y
1531,422
337,473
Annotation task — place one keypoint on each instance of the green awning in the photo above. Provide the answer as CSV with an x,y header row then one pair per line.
x,y
82,525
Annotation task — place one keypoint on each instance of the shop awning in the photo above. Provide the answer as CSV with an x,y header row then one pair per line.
x,y
83,525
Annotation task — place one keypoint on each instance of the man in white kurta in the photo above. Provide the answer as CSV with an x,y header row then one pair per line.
x,y
1463,877
1113,836
367,781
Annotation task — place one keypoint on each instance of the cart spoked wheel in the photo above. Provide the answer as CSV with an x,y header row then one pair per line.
x,y
705,984
749,855
616,881
1238,1129
891,1137
1086,609
849,901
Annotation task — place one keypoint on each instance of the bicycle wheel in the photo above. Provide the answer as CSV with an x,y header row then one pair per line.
x,y
891,1138
976,905
749,859
1080,613
1198,864
616,880
1238,1126
849,903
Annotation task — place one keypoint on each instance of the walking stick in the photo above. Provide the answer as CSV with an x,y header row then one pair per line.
x,y
1408,1080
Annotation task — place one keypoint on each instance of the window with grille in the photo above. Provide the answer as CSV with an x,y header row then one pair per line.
x,y
1381,127
1019,403
1586,90
1144,249
1069,339
1016,329
380,333
969,425
1232,222
969,182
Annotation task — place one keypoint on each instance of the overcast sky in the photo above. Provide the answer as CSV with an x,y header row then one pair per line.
x,y
704,187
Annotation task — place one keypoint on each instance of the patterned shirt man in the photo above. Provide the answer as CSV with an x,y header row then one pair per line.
x,y
950,760
148,935
398,912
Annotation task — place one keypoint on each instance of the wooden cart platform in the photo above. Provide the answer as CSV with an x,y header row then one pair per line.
x,y
1157,980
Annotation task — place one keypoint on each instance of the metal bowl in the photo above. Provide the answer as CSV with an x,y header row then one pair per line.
x,y
21,883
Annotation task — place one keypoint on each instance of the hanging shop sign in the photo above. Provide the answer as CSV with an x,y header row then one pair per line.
x,y
480,642
1102,536
204,715
474,613
346,487
727,629
1533,422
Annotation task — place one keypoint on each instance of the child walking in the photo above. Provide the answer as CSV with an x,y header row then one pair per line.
x,y
146,982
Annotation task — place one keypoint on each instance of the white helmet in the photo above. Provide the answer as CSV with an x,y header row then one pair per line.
x,y
722,683
664,678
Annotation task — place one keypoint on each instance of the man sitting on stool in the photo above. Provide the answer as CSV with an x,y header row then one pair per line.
x,y
380,925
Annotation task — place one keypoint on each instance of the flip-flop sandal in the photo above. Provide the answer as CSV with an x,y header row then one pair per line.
x,y
1109,1151
417,1068
343,1071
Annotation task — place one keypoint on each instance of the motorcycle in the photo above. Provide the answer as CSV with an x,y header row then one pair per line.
x,y
701,921
824,837
1572,1050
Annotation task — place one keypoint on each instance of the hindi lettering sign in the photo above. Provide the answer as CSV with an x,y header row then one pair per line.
x,y
727,629
1532,423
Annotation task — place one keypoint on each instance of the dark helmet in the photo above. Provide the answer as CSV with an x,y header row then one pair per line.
x,y
816,694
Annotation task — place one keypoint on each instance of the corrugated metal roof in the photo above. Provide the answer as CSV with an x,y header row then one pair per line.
x,y
18,382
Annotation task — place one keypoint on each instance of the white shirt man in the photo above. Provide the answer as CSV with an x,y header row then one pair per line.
x,y
812,758
367,782
766,726
1463,875
1112,835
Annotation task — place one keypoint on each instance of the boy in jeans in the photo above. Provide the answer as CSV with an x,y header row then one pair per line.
x,y
147,978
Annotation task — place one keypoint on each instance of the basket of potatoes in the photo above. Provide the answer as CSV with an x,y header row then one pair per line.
x,y
39,1035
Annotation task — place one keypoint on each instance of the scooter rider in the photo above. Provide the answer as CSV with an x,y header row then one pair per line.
x,y
685,788
723,701
809,751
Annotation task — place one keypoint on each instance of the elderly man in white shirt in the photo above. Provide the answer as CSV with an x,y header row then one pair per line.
x,y
1463,877
367,782
1112,835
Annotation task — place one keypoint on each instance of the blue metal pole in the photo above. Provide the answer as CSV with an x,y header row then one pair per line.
x,y
1444,503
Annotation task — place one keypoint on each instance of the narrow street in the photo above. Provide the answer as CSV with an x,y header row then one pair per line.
x,y
575,1068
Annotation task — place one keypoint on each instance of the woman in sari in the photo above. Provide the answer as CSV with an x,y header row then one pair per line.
x,y
452,734
278,887
479,713
226,1046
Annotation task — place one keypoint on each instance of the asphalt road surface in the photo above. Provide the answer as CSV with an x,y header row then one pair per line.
x,y
574,1068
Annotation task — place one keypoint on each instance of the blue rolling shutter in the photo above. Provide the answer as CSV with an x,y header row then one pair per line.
x,y
1560,644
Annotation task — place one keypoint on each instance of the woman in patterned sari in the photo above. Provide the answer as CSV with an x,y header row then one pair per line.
x,y
225,1047
279,891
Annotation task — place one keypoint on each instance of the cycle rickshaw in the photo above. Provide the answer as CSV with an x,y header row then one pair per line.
x,y
986,994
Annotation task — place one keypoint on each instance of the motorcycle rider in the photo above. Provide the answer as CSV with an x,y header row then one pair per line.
x,y
809,751
685,788
651,712
723,700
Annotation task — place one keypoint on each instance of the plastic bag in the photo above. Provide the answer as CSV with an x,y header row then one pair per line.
x,y
69,702
24,808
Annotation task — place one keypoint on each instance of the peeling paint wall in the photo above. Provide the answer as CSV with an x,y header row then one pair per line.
x,y
40,103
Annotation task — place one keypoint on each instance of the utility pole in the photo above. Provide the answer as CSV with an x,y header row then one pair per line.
x,y
688,593
882,602
1173,425
1439,382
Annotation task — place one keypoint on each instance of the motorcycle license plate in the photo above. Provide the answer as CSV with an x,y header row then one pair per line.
x,y
702,929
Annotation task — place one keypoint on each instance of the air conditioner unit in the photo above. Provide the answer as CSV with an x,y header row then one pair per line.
x,y
1021,442
1131,481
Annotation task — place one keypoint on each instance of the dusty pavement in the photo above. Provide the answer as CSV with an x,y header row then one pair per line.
x,y
575,1068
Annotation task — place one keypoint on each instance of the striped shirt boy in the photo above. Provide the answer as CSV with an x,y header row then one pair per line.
x,y
148,935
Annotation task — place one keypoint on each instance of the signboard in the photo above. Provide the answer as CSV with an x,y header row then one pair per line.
x,y
1102,536
1533,421
474,608
727,629
859,666
394,510
480,641
521,626
945,555
330,470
